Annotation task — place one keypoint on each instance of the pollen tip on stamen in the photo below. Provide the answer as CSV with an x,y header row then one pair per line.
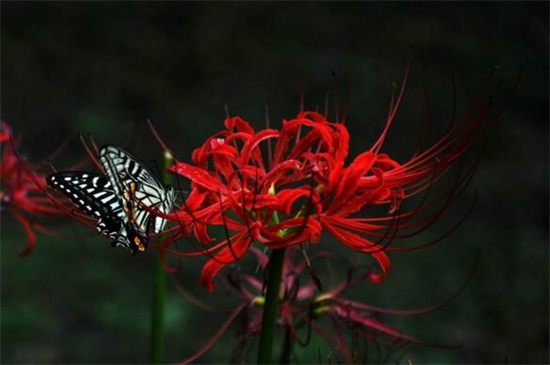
x,y
258,301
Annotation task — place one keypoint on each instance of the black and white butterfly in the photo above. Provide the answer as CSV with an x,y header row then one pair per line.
x,y
121,199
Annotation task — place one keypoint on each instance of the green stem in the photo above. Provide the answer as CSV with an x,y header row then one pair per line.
x,y
157,310
267,335
157,318
287,347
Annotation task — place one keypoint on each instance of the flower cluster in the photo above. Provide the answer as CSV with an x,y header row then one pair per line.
x,y
22,194
285,187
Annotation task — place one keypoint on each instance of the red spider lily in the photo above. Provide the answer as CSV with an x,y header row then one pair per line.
x,y
285,187
21,194
302,309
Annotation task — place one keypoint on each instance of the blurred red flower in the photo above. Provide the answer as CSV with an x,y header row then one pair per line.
x,y
302,308
21,194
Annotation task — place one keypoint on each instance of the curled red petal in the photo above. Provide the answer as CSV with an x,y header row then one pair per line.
x,y
239,124
349,181
251,145
31,237
384,263
286,199
230,254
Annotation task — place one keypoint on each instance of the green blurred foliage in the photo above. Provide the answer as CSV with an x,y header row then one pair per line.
x,y
105,68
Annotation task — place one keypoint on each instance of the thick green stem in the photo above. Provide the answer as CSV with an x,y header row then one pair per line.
x,y
157,310
271,306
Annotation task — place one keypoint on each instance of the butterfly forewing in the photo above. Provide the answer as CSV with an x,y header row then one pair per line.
x,y
93,195
132,180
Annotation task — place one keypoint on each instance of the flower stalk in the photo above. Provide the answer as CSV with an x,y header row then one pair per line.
x,y
271,306
287,346
157,313
159,290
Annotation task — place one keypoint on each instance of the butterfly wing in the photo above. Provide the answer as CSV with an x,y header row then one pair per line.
x,y
134,183
93,195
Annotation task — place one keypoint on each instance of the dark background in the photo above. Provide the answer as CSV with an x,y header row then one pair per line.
x,y
105,68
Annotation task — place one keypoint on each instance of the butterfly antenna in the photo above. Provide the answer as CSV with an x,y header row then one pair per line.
x,y
93,144
49,163
88,149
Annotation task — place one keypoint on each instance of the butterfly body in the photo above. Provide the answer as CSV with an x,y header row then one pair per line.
x,y
121,199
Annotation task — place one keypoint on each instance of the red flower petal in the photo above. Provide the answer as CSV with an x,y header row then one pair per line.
x,y
235,251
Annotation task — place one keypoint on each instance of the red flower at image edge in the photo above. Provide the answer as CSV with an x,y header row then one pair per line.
x,y
21,195
284,187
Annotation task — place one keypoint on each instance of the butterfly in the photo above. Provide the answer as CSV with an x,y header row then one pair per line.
x,y
121,199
